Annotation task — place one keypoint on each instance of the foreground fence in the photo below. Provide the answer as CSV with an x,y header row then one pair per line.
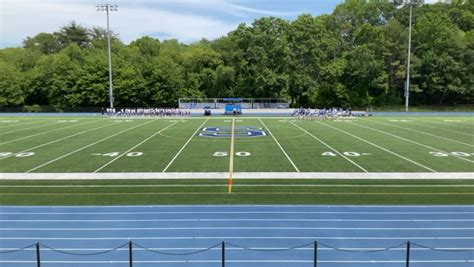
x,y
131,247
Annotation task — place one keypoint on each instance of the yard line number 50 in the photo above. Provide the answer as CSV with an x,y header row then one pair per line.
x,y
225,154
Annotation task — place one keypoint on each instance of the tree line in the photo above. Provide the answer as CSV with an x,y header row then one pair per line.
x,y
354,57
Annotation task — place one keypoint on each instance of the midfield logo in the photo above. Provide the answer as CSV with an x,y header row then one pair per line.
x,y
226,132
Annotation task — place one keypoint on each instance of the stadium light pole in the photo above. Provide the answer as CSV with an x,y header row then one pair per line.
x,y
407,85
107,8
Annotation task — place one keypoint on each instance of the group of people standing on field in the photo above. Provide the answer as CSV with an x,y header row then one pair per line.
x,y
145,112
321,114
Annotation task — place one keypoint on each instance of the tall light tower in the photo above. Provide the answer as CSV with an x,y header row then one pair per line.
x,y
108,8
407,84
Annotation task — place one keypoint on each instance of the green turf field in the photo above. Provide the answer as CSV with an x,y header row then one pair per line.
x,y
376,144
110,145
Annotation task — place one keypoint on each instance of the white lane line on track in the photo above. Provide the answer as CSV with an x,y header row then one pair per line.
x,y
328,146
243,212
58,140
105,229
379,147
278,143
137,145
404,238
241,185
84,147
371,262
184,146
33,135
454,249
411,141
436,207
239,220
425,133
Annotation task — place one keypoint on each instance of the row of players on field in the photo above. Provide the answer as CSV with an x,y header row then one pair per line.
x,y
146,112
330,113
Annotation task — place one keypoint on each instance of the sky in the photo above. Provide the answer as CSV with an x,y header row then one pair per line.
x,y
185,20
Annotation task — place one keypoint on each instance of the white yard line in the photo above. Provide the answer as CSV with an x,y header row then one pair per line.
x,y
433,135
411,141
84,147
241,175
57,140
33,135
379,147
442,129
448,124
231,158
137,145
328,146
278,143
29,128
184,146
22,129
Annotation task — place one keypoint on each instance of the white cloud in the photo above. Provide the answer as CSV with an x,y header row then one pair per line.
x,y
21,18
261,11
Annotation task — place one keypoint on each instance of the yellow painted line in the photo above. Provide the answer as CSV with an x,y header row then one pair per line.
x,y
231,158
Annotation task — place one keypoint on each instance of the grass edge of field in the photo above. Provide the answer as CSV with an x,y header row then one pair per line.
x,y
244,193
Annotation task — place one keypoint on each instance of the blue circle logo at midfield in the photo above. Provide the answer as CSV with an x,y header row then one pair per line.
x,y
226,132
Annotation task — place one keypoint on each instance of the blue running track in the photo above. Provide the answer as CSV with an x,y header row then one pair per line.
x,y
352,236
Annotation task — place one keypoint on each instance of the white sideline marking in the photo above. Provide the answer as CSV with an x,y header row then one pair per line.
x,y
84,147
58,140
328,146
33,135
413,130
238,228
184,146
443,129
237,193
379,147
281,148
411,141
139,144
238,237
241,175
